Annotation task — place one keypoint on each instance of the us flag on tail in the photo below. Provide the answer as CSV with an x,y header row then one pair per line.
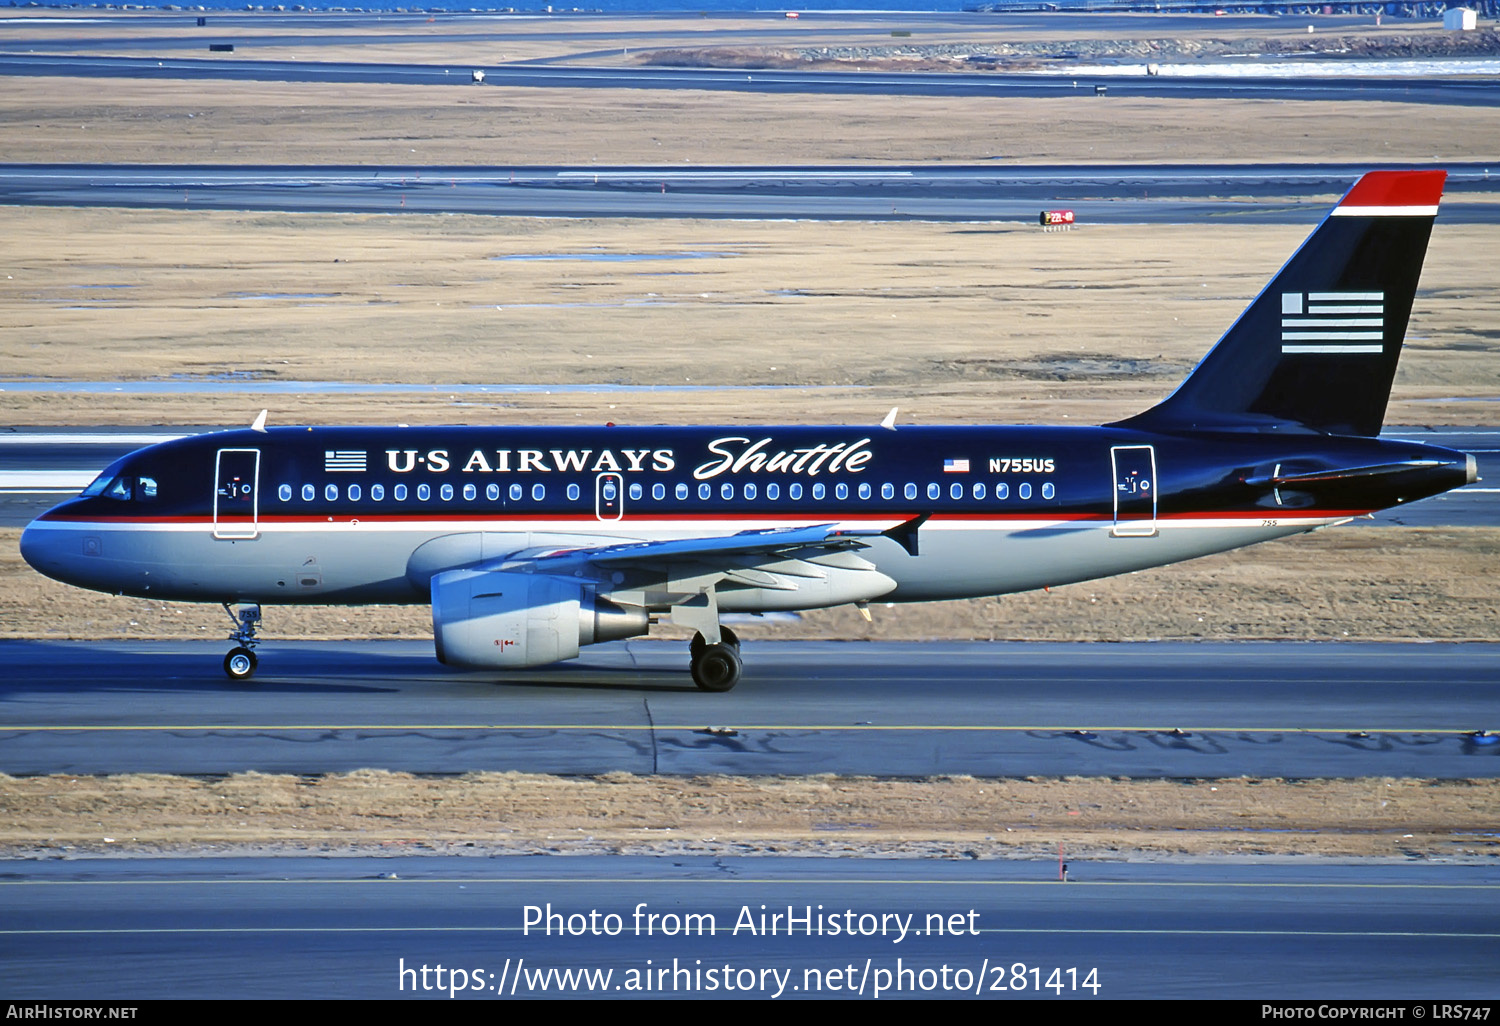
x,y
1332,322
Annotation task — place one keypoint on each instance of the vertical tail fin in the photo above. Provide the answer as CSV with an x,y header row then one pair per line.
x,y
1318,348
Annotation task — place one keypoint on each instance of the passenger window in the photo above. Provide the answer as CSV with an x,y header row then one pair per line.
x,y
726,491
887,491
400,493
749,491
470,492
309,493
841,490
424,492
795,491
910,491
819,491
377,492
1048,491
934,490
515,493
492,491
658,491
573,493
538,492
354,493
681,491
956,491
284,493
331,493
705,492
635,492
1025,490
978,489
773,491
864,491
1002,490
446,493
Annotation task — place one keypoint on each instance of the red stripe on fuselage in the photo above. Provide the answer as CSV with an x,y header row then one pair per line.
x,y
667,518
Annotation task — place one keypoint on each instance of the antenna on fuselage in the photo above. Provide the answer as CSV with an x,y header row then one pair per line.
x,y
260,422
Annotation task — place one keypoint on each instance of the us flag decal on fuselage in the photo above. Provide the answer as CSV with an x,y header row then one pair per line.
x,y
1332,322
343,461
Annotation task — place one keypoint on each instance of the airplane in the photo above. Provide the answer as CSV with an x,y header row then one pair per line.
x,y
530,542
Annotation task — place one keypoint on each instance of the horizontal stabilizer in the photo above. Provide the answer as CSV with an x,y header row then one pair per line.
x,y
1275,480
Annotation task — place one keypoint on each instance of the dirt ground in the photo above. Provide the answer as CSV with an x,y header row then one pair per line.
x,y
486,814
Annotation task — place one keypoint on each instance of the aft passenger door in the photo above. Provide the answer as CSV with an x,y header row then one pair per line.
x,y
1135,490
237,493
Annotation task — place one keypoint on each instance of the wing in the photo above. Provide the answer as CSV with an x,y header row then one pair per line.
x,y
777,569
773,544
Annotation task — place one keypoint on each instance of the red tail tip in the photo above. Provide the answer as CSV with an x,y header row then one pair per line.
x,y
1396,189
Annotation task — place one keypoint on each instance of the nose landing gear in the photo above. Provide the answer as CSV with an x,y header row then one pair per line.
x,y
240,663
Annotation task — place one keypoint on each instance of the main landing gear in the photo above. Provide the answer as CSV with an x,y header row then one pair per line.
x,y
240,663
715,650
716,667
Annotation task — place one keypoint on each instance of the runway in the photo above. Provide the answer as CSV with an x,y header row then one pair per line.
x,y
1396,89
886,709
378,928
1266,193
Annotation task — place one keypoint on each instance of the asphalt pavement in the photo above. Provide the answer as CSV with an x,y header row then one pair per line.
x,y
1105,194
1155,709
765,928
1465,91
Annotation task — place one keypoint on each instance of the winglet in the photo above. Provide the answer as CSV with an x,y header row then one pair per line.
x,y
890,419
260,422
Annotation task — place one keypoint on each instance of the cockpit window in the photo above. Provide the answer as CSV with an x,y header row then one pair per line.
x,y
108,477
119,488
147,488
97,485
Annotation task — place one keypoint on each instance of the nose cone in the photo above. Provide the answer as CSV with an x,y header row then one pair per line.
x,y
39,547
59,553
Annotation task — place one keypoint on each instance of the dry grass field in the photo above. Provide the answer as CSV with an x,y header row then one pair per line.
x,y
952,322
489,814
47,120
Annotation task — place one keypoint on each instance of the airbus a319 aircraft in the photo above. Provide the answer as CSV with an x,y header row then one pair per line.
x,y
529,542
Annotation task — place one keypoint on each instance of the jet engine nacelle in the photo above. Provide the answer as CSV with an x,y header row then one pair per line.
x,y
491,619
